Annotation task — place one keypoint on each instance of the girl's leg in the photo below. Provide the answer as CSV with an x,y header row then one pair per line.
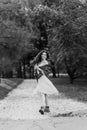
x,y
43,104
46,104
46,100
43,100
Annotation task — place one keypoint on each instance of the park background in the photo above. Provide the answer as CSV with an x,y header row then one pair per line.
x,y
26,28
58,26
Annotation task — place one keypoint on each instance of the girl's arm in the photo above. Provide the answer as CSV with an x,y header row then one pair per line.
x,y
37,68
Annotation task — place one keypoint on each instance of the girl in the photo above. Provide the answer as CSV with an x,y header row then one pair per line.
x,y
44,85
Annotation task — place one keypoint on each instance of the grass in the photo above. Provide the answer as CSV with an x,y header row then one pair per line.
x,y
77,90
8,85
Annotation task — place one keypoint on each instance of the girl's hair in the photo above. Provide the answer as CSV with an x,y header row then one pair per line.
x,y
37,59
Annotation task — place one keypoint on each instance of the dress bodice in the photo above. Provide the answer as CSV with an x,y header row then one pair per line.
x,y
46,69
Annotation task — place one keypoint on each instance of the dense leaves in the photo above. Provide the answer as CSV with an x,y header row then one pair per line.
x,y
28,26
69,41
15,34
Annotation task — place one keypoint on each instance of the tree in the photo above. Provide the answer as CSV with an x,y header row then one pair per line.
x,y
44,19
69,39
15,33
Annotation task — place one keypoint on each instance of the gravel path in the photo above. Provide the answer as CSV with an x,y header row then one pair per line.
x,y
20,104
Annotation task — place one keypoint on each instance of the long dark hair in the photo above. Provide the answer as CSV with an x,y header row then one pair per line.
x,y
37,59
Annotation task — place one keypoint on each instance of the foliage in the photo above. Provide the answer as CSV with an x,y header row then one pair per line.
x,y
68,40
15,33
28,26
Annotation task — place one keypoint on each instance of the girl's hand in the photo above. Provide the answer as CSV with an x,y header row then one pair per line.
x,y
42,72
39,69
35,67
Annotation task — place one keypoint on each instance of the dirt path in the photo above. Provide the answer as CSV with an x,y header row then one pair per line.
x,y
20,104
19,111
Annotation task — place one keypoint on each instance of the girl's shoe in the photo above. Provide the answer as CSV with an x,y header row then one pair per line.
x,y
41,110
47,109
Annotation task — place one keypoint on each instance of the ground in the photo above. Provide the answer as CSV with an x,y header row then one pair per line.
x,y
19,110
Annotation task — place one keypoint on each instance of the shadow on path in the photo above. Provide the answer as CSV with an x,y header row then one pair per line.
x,y
7,85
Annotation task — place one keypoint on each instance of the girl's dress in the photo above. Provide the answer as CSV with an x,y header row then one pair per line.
x,y
44,85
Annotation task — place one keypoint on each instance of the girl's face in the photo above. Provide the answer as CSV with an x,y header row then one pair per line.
x,y
44,56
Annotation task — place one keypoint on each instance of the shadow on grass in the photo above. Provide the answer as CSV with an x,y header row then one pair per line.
x,y
76,91
7,85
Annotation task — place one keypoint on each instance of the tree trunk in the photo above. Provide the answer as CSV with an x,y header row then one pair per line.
x,y
24,70
58,74
19,70
71,71
31,72
71,79
54,72
53,69
0,77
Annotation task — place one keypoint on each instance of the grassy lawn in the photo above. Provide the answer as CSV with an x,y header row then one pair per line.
x,y
77,90
8,85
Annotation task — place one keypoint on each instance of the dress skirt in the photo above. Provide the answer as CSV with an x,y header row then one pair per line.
x,y
45,86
